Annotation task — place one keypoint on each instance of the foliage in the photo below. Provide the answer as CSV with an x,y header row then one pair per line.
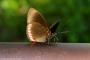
x,y
74,17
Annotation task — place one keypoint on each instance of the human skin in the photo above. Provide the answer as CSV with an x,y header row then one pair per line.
x,y
45,52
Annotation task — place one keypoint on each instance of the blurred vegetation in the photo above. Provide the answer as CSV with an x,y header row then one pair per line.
x,y
74,17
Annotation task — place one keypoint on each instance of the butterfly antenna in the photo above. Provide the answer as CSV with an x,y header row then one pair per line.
x,y
64,32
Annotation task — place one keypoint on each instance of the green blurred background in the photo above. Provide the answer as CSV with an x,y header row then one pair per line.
x,y
74,16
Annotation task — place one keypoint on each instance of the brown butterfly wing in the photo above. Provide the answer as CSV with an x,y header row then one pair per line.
x,y
35,16
37,28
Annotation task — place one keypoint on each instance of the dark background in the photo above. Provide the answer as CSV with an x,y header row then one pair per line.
x,y
74,16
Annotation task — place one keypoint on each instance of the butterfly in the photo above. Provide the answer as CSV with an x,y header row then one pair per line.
x,y
37,28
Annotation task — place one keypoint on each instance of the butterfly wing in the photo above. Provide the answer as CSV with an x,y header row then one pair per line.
x,y
54,26
37,27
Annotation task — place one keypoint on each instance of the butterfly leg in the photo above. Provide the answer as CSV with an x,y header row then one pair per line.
x,y
48,42
57,39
